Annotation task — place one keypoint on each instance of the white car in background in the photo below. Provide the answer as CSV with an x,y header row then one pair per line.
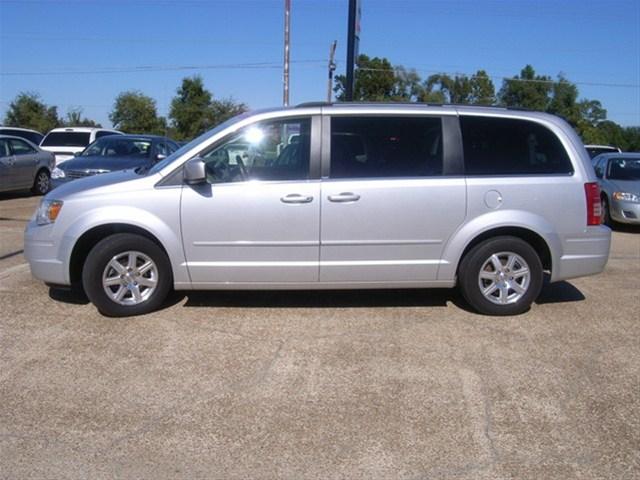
x,y
66,142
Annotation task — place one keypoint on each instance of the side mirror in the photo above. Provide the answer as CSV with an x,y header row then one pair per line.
x,y
160,156
194,171
77,154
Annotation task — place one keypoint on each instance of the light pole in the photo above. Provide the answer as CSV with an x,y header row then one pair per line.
x,y
287,14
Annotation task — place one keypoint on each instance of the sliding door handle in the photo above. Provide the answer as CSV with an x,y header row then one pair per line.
x,y
296,198
344,197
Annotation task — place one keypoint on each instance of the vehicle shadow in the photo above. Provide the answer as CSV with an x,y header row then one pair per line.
x,y
560,292
625,228
15,195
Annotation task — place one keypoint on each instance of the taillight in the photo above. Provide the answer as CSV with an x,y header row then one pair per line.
x,y
594,207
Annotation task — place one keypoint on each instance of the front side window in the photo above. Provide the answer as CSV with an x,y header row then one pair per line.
x,y
504,146
20,148
273,150
370,147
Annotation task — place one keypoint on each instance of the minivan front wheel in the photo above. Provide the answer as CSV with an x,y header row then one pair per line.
x,y
501,276
126,274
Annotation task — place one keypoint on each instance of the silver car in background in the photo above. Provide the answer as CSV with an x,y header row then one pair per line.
x,y
328,196
24,166
619,178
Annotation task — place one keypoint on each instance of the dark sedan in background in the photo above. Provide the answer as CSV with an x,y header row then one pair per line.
x,y
114,152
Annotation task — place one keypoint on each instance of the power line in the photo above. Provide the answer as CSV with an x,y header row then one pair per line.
x,y
164,68
509,79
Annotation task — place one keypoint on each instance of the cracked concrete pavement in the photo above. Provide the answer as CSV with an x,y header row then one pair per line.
x,y
393,384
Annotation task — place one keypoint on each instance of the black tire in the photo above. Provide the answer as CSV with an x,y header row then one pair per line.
x,y
472,263
606,213
99,258
41,183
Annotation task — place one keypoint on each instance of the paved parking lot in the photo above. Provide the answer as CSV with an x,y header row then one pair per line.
x,y
402,384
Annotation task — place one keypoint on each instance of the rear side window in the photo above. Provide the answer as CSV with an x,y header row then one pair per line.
x,y
500,146
66,139
370,147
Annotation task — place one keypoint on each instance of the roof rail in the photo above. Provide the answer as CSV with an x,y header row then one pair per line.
x,y
313,104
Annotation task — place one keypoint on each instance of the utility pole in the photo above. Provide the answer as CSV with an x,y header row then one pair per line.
x,y
332,68
287,14
353,35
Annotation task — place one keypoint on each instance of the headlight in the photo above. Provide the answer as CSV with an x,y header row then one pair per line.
x,y
57,173
626,197
48,211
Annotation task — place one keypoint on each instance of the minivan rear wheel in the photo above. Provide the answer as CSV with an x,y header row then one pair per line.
x,y
501,276
126,274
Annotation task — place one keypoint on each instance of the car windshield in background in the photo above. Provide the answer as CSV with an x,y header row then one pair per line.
x,y
624,169
193,143
115,146
66,139
595,151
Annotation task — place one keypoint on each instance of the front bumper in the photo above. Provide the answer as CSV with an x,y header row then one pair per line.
x,y
625,212
45,255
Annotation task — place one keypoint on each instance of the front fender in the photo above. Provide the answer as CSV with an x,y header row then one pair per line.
x,y
458,242
168,234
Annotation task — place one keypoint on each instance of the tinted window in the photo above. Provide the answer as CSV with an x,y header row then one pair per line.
x,y
498,146
263,151
385,147
19,147
624,169
66,139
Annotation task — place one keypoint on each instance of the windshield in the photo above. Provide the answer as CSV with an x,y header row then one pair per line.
x,y
595,151
116,146
195,142
66,139
624,169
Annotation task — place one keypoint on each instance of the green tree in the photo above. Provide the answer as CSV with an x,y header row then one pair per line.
x,y
375,81
476,89
407,87
134,112
224,109
483,92
190,109
526,90
75,119
193,109
564,101
28,111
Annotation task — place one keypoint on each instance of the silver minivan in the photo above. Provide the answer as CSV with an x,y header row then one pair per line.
x,y
335,196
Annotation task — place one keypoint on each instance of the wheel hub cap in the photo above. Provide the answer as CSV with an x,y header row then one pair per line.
x,y
504,278
130,278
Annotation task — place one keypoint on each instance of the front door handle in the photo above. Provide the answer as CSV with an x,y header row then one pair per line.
x,y
296,198
344,197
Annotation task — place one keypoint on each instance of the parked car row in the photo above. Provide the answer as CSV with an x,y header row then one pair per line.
x,y
30,160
